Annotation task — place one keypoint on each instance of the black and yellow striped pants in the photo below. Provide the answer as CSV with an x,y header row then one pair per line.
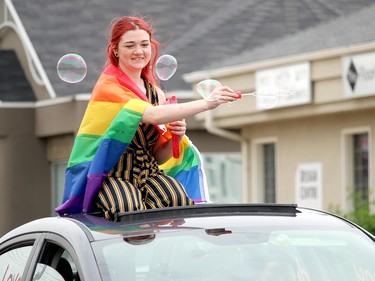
x,y
157,191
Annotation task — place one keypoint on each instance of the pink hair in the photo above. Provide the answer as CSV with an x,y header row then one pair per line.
x,y
119,27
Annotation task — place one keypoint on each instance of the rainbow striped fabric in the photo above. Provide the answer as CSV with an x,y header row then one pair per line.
x,y
111,119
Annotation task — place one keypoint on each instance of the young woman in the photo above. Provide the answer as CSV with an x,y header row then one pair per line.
x,y
116,158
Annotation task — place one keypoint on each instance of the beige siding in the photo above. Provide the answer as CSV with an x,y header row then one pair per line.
x,y
24,170
308,140
318,132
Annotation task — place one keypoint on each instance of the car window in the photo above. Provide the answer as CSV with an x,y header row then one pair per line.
x,y
239,254
13,262
46,273
57,262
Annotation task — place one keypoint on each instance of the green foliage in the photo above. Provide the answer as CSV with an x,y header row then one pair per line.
x,y
361,213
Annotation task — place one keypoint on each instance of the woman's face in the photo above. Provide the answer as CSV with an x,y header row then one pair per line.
x,y
134,50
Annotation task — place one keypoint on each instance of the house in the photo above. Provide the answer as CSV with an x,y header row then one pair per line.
x,y
225,40
312,142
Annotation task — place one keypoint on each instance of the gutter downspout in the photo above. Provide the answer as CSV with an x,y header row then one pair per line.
x,y
213,129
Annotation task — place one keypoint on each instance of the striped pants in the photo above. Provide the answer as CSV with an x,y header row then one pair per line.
x,y
157,191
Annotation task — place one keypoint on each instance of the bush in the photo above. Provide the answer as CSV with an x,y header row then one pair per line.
x,y
361,213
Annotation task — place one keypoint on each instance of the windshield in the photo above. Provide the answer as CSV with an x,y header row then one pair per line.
x,y
239,254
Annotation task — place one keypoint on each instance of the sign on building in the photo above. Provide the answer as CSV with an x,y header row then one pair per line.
x,y
358,75
292,83
309,181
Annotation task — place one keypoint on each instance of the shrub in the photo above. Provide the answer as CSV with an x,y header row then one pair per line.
x,y
361,213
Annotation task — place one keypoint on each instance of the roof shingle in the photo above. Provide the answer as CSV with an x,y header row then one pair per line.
x,y
199,33
13,83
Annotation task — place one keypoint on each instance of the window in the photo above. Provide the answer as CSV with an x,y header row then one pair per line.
x,y
269,173
58,182
270,251
224,178
263,170
356,167
361,170
57,262
13,262
46,273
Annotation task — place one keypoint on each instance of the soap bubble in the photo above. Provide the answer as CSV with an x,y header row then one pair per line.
x,y
266,97
71,68
205,87
165,67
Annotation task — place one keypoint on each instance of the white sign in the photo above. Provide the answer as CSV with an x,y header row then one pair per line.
x,y
292,83
358,75
309,181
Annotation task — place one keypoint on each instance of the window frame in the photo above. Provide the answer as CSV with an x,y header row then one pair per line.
x,y
38,242
55,200
257,171
61,242
228,181
348,165
33,240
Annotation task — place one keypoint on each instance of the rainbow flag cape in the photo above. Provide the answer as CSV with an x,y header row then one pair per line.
x,y
111,119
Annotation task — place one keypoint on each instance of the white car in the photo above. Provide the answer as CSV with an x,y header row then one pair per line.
x,y
203,242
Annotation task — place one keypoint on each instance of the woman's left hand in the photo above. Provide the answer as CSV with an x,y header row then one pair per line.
x,y
164,152
178,127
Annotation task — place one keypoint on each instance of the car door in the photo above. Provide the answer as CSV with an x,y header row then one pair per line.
x,y
39,257
16,256
56,259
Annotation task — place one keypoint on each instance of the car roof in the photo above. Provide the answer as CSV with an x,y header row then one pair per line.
x,y
172,219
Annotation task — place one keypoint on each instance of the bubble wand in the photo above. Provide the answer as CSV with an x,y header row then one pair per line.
x,y
280,93
266,97
166,66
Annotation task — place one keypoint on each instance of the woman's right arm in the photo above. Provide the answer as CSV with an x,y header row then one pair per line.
x,y
167,113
